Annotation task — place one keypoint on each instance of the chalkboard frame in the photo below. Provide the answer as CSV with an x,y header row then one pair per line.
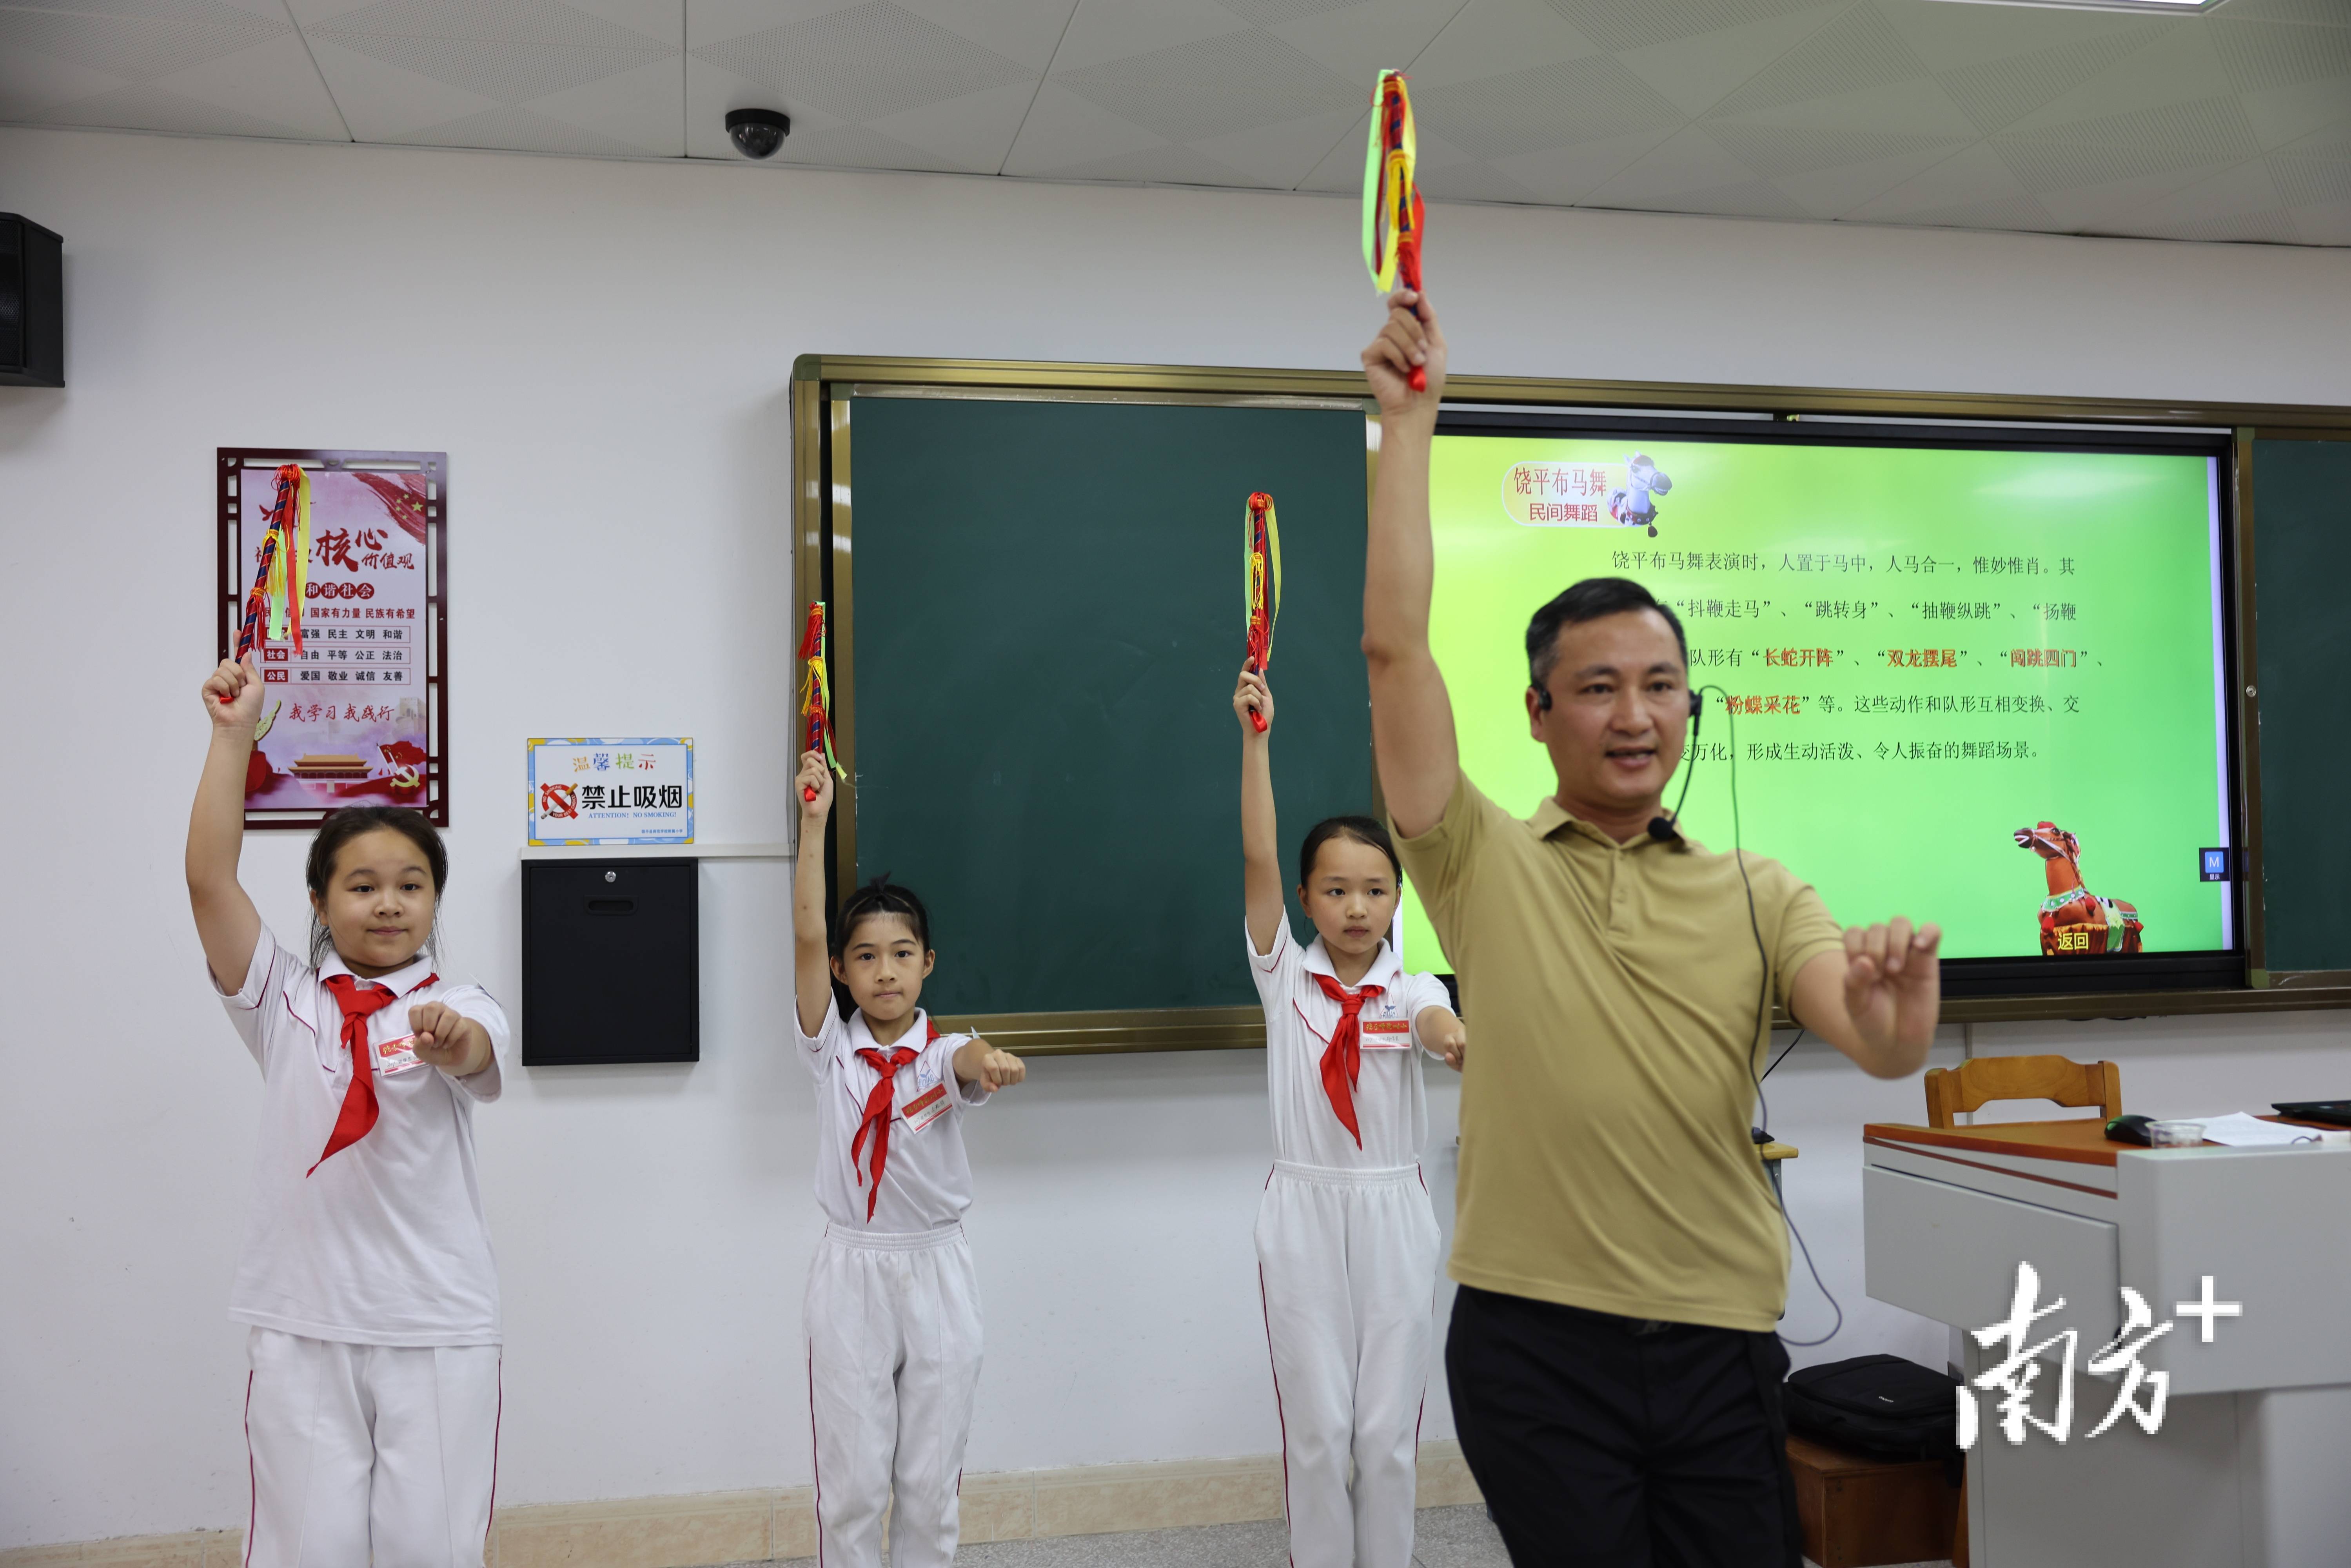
x,y
823,525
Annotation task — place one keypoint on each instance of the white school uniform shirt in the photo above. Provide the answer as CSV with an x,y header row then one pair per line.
x,y
386,1243
926,1184
1391,1101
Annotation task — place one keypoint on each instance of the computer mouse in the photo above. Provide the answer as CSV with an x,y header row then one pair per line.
x,y
2130,1130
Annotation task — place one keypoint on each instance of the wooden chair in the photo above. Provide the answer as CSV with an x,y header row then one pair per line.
x,y
1984,1079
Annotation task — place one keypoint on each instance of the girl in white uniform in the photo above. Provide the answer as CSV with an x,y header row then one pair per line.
x,y
1346,1244
893,1311
366,1279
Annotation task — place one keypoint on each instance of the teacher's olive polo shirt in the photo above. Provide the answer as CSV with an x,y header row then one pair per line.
x,y
1610,994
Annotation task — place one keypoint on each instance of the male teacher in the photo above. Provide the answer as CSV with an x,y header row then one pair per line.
x,y
1614,1356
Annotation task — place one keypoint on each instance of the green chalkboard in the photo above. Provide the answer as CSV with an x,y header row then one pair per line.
x,y
2301,626
1047,626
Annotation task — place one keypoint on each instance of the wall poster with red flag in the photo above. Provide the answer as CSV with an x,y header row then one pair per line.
x,y
334,574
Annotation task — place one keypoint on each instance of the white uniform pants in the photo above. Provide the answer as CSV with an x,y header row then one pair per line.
x,y
893,1360
369,1453
1347,1261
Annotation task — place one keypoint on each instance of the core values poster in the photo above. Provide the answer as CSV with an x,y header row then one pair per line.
x,y
346,717
1962,685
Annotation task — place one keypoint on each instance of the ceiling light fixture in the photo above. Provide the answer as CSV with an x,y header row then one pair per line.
x,y
2140,8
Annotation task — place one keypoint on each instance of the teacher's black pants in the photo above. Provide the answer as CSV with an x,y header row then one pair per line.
x,y
1609,1442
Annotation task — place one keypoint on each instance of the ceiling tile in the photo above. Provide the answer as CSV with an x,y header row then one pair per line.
x,y
1776,152
2323,225
1953,37
1493,37
1613,25
2177,65
510,128
1552,105
1746,199
1972,177
1477,182
1342,169
2311,182
1856,50
1834,192
1996,93
2287,10
859,147
1024,31
382,102
972,133
2259,54
1688,160
1281,154
30,82
1358,41
276,81
642,109
2248,189
1567,174
664,21
148,106
861,64
2107,208
1275,13
1167,165
1064,129
429,71
2148,141
1697,72
1105,31
2314,170
2286,114
1232,82
1918,107
2233,126
136,40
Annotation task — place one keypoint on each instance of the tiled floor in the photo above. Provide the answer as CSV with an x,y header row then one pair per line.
x,y
1449,1538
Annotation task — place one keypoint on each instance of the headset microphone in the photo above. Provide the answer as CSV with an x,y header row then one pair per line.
x,y
1664,828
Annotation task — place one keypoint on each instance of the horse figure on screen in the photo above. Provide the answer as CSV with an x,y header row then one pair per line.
x,y
2074,920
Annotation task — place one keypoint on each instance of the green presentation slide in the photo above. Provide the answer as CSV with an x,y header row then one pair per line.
x,y
1927,654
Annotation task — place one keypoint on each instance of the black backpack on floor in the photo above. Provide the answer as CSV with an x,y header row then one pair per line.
x,y
1880,1404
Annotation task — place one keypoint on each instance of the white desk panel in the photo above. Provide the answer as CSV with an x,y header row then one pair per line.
x,y
1949,1253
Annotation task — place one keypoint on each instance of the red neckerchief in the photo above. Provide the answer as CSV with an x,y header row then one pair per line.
x,y
1342,1058
358,1115
879,1104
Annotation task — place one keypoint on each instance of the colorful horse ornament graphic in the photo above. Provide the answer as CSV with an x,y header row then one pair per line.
x,y
2074,920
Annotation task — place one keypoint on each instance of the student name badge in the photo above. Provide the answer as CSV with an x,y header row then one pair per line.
x,y
1386,1034
926,1108
397,1055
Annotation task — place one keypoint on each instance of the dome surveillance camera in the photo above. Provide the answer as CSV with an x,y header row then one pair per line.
x,y
758,132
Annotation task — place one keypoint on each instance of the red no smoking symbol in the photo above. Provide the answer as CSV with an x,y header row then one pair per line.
x,y
556,800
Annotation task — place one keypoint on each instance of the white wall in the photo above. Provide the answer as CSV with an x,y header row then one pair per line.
x,y
604,349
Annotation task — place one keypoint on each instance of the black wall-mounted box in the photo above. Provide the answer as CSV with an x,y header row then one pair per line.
x,y
612,961
32,304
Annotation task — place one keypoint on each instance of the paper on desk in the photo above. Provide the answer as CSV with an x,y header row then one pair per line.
x,y
2242,1130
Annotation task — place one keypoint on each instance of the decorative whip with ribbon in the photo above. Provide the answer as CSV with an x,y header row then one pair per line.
x,y
272,610
816,695
1261,585
1391,211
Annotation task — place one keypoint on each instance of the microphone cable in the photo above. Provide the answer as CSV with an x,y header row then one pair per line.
x,y
1762,1002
